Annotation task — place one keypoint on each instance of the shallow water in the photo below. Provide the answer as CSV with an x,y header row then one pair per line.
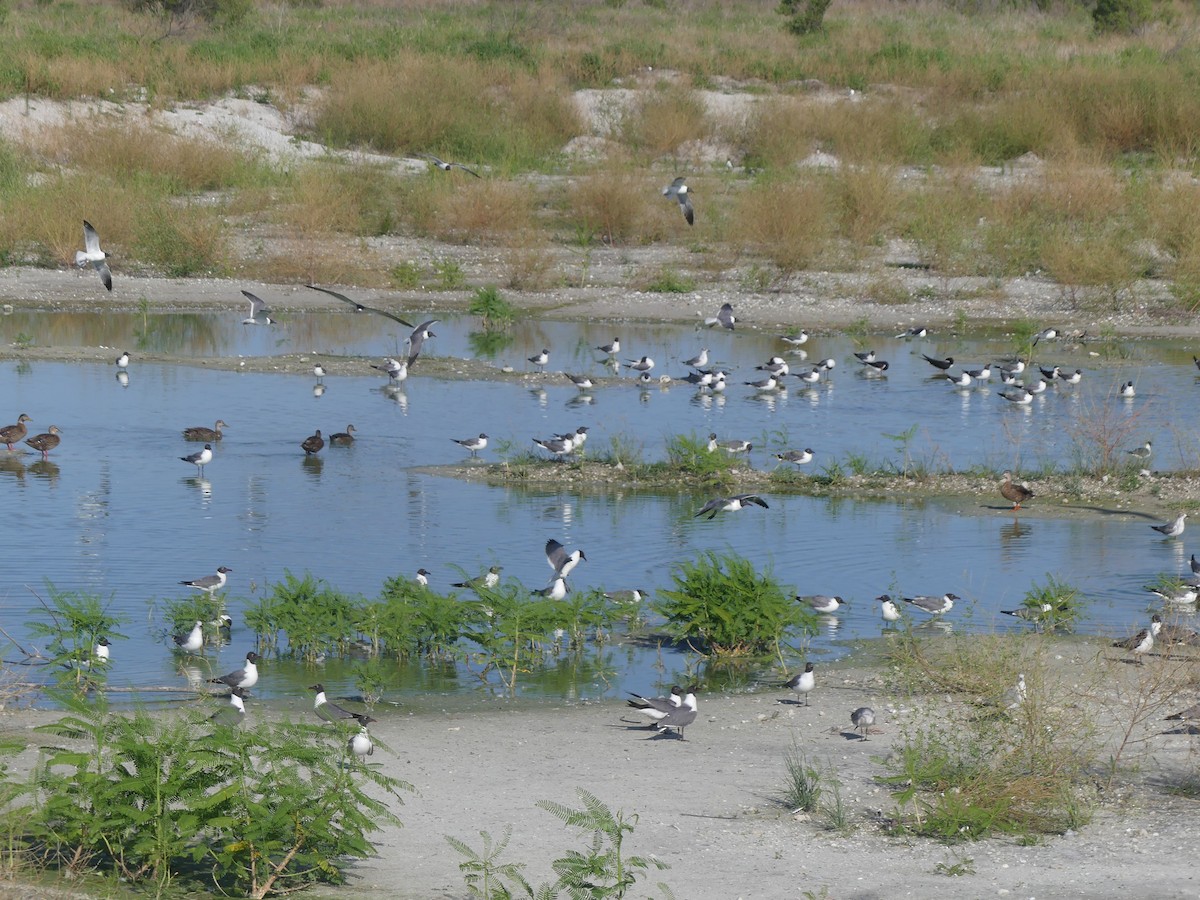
x,y
117,513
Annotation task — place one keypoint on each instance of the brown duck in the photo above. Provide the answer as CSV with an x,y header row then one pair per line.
x,y
343,438
312,443
10,434
44,443
1017,493
200,433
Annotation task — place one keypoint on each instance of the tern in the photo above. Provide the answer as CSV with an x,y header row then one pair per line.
x,y
679,190
200,458
210,584
862,719
474,444
724,317
802,683
562,562
244,678
447,166
259,314
730,504
359,307
93,254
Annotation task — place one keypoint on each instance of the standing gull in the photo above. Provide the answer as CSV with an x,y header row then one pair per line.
x,y
93,254
259,314
241,679
1142,642
190,641
122,361
331,712
397,370
540,360
679,190
360,744
862,719
200,458
802,683
210,583
656,708
1172,529
474,444
890,611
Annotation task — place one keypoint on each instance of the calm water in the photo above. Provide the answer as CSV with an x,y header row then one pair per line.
x,y
117,513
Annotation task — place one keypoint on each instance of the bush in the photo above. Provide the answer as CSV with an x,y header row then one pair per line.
x,y
1122,16
728,608
804,16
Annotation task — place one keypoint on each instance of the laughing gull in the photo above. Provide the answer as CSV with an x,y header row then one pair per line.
x,y
232,714
680,717
416,340
983,373
556,447
1011,490
1046,334
866,356
210,583
488,579
724,317
562,562
657,707
1142,453
1019,396
93,254
1142,642
10,434
797,457
259,314
422,577
1072,378
632,595
190,641
342,438
862,719
583,382
802,683
1172,529
765,384
809,376
821,603
776,366
1184,595
730,504
397,370
122,361
359,307
730,446
474,444
200,458
942,364
890,611
242,679
360,744
200,433
1050,374
578,437
935,606
1192,712
447,166
611,349
313,443
962,380
641,366
1127,390
331,712
1038,387
917,331
101,653
44,443
875,367
795,340
556,590
318,372
540,360
679,190
700,360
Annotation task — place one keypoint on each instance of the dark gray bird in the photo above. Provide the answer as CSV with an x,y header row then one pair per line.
x,y
862,719
730,504
447,166
942,364
679,190
259,314
93,254
359,307
417,339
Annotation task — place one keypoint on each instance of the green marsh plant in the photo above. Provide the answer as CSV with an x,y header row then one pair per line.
x,y
71,623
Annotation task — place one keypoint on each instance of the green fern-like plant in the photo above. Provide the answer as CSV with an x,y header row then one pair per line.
x,y
71,624
483,872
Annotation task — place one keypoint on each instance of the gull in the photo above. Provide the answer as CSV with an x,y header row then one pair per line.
x,y
422,577
724,317
798,457
1007,376
765,384
1049,374
241,679
200,458
643,365
488,580
1194,564
1046,334
917,331
821,603
700,360
657,707
1142,642
583,382
101,652
359,307
1192,712
731,446
611,349
201,433
562,562
122,361
730,504
360,744
1172,529
795,340
10,434
556,590
891,612
447,166
935,606
1017,694
1017,493
232,714
862,719
983,373
962,380
681,717
679,191
802,682
313,443
1185,595
828,364
776,366
474,444
93,254
1143,452
44,443
811,376
556,447
1019,396
632,595
331,712
210,584
578,437
397,370
318,371
417,339
1038,387
1073,378
875,367
342,438
1029,613
866,356
258,311
1127,390
540,359
190,641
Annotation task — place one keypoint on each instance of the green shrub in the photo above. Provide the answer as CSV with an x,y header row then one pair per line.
x,y
493,310
804,16
72,623
723,605
1122,16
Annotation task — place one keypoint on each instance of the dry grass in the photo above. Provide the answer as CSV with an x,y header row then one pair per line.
x,y
614,204
493,211
326,197
786,222
660,121
867,201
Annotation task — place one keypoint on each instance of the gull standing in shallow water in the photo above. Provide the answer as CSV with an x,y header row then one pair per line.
x,y
200,458
93,254
190,641
935,606
241,679
890,611
474,444
210,583
1172,529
